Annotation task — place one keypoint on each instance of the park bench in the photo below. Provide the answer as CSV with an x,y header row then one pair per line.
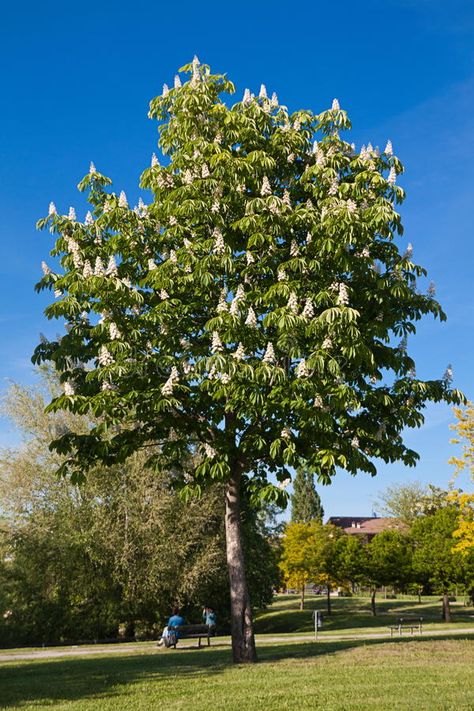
x,y
407,623
192,632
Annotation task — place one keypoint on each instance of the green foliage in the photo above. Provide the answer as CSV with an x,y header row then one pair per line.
x,y
112,555
305,501
251,311
389,559
434,560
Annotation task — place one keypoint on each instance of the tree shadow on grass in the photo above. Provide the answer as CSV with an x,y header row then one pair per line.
x,y
47,682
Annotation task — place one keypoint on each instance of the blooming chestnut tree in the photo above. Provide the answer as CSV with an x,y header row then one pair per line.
x,y
251,317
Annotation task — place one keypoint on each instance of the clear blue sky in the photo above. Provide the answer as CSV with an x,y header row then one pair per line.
x,y
76,81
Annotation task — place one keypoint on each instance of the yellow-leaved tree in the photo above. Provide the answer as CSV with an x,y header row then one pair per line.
x,y
464,428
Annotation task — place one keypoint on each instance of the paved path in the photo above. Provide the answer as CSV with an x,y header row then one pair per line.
x,y
134,648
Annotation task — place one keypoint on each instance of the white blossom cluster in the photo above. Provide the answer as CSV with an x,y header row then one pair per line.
x,y
216,344
123,202
266,187
392,176
89,219
343,295
45,268
239,353
99,267
222,305
105,357
284,484
308,310
209,451
285,433
292,303
251,319
269,355
164,294
167,388
302,369
219,244
115,334
87,270
72,214
294,249
69,388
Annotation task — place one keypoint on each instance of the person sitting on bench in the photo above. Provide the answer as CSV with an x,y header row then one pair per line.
x,y
174,621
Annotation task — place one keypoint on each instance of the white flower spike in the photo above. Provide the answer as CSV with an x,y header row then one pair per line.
x,y
269,355
216,345
251,319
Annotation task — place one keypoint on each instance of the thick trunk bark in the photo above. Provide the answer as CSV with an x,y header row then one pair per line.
x,y
328,599
302,599
372,602
446,608
243,641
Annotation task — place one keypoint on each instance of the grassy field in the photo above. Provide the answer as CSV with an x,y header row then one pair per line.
x,y
353,614
334,676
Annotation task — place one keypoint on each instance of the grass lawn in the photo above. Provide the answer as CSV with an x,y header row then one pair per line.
x,y
353,614
334,676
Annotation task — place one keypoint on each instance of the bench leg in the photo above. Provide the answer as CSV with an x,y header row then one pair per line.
x,y
199,643
208,641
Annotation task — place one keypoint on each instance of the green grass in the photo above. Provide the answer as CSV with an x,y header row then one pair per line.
x,y
353,615
334,676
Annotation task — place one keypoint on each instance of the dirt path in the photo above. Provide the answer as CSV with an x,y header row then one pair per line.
x,y
134,648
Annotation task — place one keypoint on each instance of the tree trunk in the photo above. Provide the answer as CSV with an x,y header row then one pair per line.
x,y
328,598
419,596
372,602
302,598
243,641
446,608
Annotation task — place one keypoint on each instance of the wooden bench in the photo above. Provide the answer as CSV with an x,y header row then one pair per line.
x,y
407,623
192,632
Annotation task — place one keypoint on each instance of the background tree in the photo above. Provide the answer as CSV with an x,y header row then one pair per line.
x,y
326,570
305,502
350,560
389,562
434,560
407,502
84,563
464,428
251,312
297,556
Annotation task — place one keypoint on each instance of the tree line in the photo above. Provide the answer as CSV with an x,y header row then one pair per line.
x,y
419,553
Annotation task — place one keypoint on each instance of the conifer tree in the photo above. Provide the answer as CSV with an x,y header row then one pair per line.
x,y
249,313
305,501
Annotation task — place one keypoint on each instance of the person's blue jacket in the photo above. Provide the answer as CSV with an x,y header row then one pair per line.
x,y
176,621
